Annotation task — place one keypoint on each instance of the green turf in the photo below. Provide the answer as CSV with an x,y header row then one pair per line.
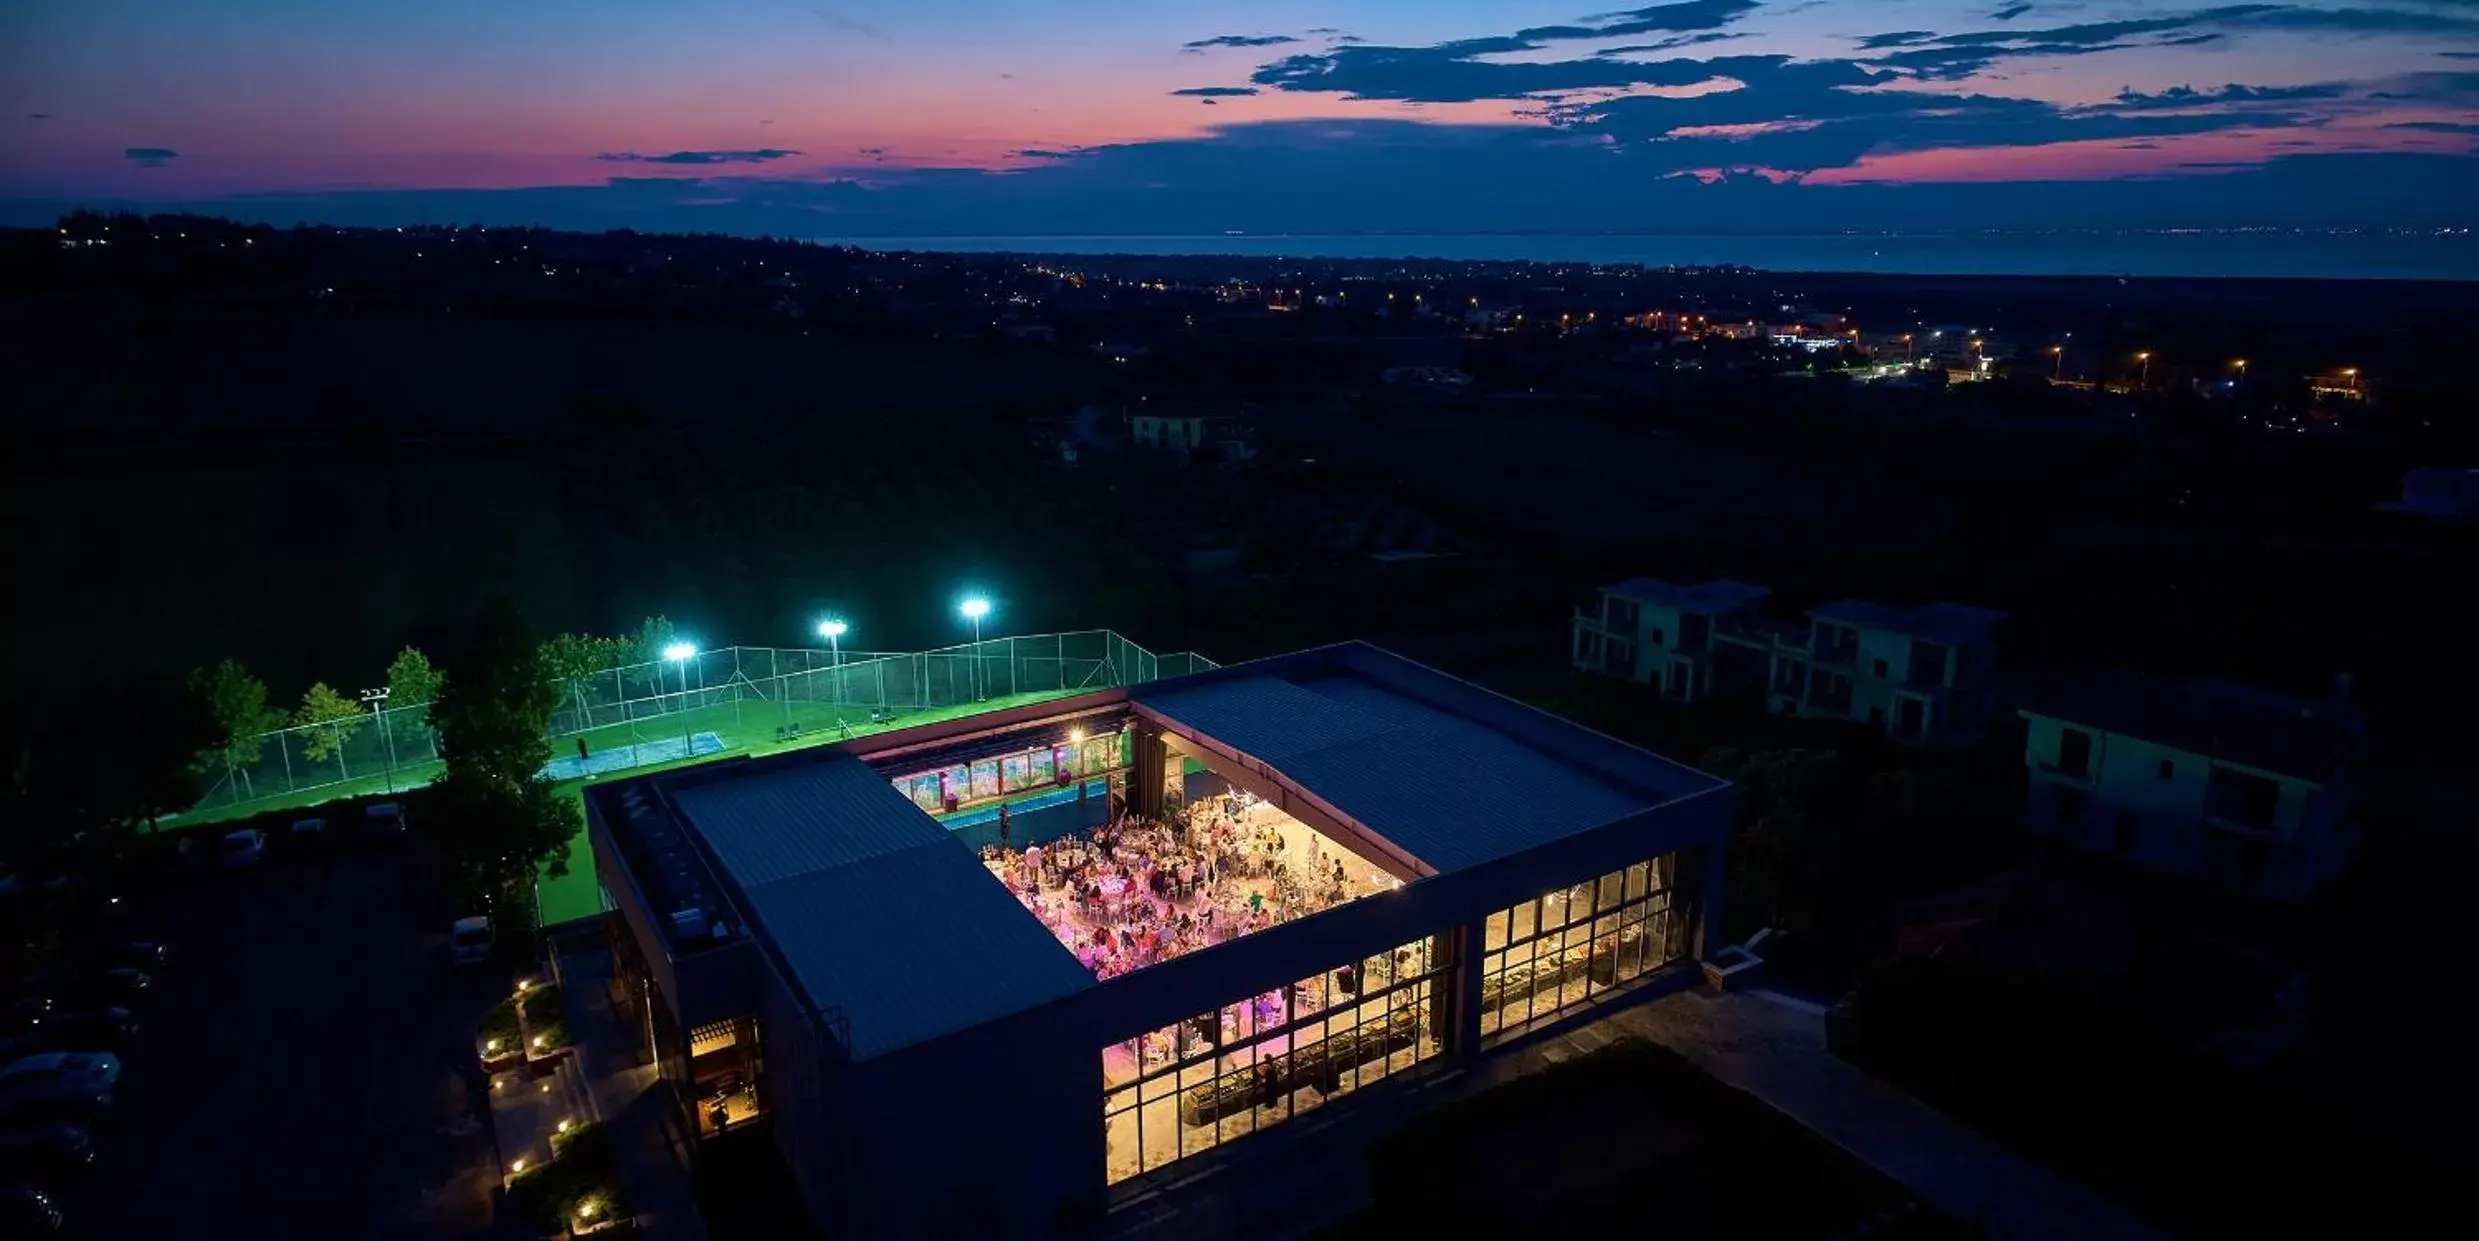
x,y
575,895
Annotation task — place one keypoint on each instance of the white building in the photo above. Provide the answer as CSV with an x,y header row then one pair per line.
x,y
1678,638
1922,676
2243,788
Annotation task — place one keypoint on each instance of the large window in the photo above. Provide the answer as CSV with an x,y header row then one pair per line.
x,y
1570,946
1182,1091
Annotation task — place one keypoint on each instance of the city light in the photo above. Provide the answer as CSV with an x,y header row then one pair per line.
x,y
679,651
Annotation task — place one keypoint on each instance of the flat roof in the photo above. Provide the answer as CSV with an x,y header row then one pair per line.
x,y
1720,595
874,907
2285,734
1955,624
1448,772
878,910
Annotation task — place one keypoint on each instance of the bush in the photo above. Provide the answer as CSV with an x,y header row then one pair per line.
x,y
581,1170
547,1017
501,1023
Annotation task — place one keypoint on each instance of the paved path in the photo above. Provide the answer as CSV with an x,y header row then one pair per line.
x,y
645,1130
1774,1048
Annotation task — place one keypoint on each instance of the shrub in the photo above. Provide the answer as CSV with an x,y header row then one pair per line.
x,y
581,1170
501,1023
547,1017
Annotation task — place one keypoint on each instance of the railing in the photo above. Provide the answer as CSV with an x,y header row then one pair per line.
x,y
725,699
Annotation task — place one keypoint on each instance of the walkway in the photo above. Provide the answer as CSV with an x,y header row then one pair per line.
x,y
646,1139
1774,1048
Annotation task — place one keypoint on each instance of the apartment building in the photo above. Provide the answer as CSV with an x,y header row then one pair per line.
x,y
2243,788
1691,642
1923,676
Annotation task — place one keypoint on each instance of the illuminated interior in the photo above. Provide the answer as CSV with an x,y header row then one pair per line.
x,y
1139,892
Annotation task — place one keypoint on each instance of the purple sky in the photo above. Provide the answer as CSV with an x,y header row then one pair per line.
x,y
864,116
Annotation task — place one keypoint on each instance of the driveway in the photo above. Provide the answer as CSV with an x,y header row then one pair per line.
x,y
305,1065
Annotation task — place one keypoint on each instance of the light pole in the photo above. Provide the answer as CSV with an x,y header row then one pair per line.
x,y
681,653
974,609
2351,373
377,700
833,631
2241,366
2145,379
2057,363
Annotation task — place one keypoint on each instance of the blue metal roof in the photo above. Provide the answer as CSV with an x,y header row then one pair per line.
x,y
1442,784
914,944
767,825
873,906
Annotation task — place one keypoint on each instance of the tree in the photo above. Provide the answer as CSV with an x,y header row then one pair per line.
x,y
574,657
80,787
411,681
237,702
342,716
498,821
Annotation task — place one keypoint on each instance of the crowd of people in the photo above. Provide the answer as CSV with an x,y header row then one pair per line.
x,y
1138,891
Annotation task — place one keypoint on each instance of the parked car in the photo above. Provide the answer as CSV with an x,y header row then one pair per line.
x,y
241,848
45,1154
27,1212
470,940
385,818
51,989
96,1068
38,1100
136,954
104,1028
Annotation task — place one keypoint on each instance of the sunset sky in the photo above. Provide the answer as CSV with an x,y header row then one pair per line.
x,y
867,116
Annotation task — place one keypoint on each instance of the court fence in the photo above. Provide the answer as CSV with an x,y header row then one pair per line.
x,y
721,700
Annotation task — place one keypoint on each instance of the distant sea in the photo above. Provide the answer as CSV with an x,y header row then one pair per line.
x,y
2286,254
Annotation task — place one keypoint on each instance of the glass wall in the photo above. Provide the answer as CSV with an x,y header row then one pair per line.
x,y
1181,1091
1006,775
1569,946
723,1074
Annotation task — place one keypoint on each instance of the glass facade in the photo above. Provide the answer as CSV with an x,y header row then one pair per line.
x,y
1178,1092
1044,767
723,1074
1570,946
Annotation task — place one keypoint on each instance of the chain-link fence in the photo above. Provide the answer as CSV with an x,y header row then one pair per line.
x,y
729,699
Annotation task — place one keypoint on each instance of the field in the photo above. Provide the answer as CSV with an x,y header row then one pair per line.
x,y
745,729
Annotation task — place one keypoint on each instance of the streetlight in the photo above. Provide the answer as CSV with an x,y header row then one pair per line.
x,y
2146,381
974,609
681,653
377,701
2057,362
833,631
2351,373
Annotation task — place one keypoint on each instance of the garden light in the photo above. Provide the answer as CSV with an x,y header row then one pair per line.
x,y
493,1045
546,1088
518,1166
563,1126
541,1039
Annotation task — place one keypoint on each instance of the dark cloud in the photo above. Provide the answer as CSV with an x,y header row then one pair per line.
x,y
150,157
759,156
1215,92
1450,74
2138,146
1674,42
1397,176
2009,13
2436,127
1947,56
2459,55
1039,153
2189,97
1237,40
38,116
1210,103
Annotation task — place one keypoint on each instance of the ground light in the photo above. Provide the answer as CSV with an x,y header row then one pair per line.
x,y
976,607
518,1165
681,653
833,631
